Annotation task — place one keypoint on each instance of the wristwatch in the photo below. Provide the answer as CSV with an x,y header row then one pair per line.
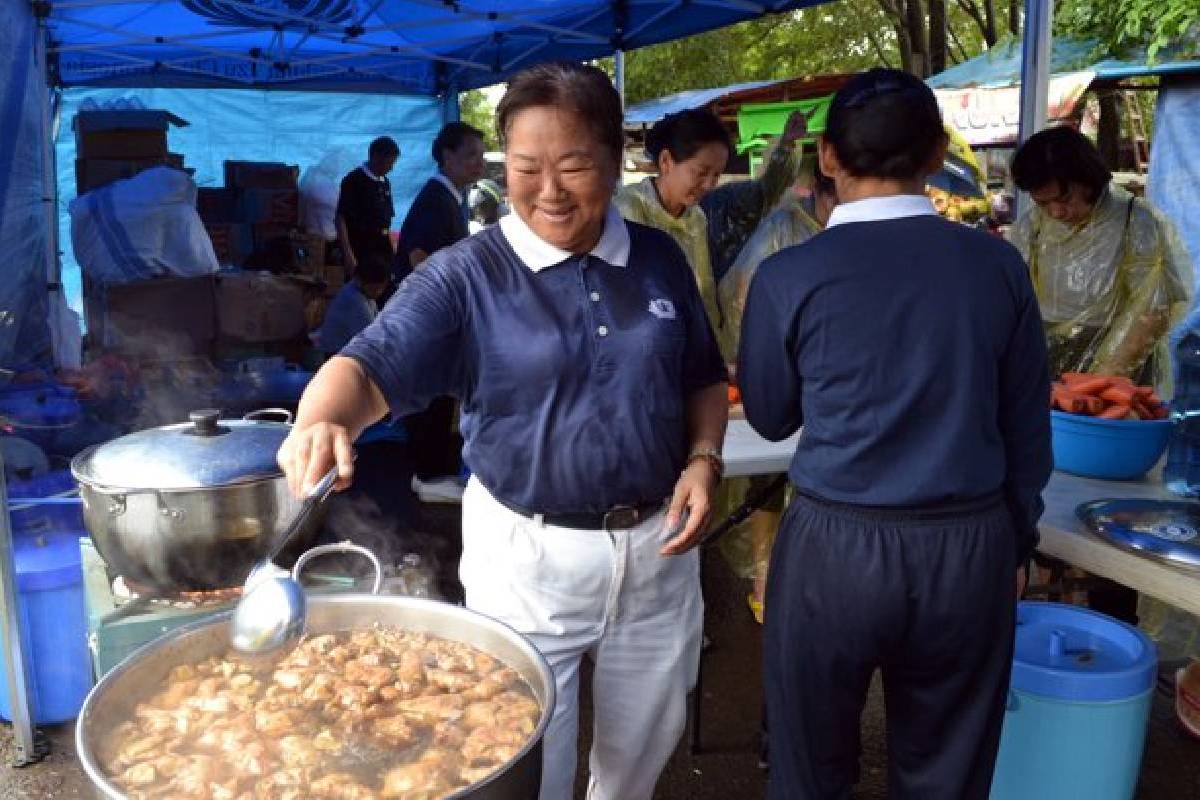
x,y
712,456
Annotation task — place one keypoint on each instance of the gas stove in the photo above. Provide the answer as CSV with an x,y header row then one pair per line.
x,y
121,618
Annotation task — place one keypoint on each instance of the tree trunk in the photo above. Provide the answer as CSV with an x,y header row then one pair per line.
x,y
937,36
918,38
1108,135
989,22
895,11
1014,17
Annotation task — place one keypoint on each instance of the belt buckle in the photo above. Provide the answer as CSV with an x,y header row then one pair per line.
x,y
621,517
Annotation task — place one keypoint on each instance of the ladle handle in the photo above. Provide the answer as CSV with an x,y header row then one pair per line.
x,y
340,547
315,497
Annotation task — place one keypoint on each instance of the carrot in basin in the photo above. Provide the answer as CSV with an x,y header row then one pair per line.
x,y
1093,385
1119,394
1115,412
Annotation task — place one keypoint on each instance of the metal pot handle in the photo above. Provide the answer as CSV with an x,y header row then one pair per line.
x,y
340,547
266,414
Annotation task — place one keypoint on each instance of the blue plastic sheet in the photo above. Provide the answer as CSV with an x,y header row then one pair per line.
x,y
24,335
1175,171
251,125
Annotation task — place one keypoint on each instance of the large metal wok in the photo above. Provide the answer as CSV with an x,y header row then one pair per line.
x,y
115,696
192,506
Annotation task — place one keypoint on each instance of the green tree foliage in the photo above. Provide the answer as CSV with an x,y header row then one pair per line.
x,y
475,110
1124,25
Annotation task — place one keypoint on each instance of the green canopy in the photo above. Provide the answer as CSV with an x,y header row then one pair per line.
x,y
758,123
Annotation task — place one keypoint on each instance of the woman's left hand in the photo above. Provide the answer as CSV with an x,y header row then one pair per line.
x,y
694,492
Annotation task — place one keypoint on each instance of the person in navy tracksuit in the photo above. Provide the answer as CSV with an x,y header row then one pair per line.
x,y
911,350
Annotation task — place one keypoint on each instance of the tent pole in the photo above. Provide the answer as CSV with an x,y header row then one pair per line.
x,y
49,173
619,63
451,112
16,663
1035,74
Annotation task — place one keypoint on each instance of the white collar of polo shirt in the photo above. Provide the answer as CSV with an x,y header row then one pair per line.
x,y
538,254
449,184
874,209
367,169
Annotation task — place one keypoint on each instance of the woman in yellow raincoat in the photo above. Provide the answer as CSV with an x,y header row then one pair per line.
x,y
690,150
1111,274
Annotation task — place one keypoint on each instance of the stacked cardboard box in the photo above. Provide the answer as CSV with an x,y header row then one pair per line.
x,y
114,144
253,219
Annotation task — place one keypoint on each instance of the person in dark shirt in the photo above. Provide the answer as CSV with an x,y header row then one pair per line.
x,y
438,215
911,350
364,209
594,403
438,219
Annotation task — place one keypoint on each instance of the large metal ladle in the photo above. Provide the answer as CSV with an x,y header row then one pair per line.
x,y
270,616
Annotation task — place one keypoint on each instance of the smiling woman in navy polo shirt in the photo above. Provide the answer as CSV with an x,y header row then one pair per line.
x,y
593,410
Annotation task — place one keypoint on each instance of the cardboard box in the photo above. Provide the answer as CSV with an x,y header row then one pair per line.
x,y
160,319
124,119
258,307
269,206
216,205
261,175
95,173
232,242
122,144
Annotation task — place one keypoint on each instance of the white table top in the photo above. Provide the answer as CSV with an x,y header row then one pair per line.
x,y
1064,537
746,453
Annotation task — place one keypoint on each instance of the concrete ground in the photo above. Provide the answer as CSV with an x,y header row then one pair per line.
x,y
726,768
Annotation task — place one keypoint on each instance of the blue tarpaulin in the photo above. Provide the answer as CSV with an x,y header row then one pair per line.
x,y
23,333
652,111
1001,66
249,125
395,46
1175,169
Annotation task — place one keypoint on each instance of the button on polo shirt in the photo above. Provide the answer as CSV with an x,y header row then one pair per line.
x,y
573,371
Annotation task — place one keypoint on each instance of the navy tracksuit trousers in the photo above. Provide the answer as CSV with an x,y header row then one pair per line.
x,y
925,595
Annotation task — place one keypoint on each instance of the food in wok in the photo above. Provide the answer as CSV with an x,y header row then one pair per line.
x,y
377,714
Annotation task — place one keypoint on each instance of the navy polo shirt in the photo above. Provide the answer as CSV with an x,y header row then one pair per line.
x,y
911,350
573,372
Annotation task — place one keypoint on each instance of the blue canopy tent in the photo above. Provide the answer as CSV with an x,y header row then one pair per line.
x,y
404,60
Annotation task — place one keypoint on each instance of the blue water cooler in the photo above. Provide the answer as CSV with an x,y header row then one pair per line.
x,y
50,600
1075,726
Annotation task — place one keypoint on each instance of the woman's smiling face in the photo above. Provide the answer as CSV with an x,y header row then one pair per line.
x,y
561,178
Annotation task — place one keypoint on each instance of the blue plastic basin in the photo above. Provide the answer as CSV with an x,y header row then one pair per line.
x,y
1112,449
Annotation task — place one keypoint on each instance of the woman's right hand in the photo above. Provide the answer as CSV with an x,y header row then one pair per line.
x,y
308,453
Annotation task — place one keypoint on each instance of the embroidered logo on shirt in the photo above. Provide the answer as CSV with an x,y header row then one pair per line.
x,y
663,309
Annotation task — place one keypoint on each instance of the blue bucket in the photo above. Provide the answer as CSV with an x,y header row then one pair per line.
x,y
53,626
1075,727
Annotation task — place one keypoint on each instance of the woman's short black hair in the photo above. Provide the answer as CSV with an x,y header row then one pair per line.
x,y
384,147
586,90
885,123
683,133
1060,156
451,137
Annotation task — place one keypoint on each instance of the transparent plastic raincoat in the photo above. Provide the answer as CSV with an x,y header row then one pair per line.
x,y
789,224
1109,289
639,202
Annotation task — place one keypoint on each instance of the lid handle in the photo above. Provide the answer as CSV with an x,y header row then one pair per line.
x,y
204,421
1058,643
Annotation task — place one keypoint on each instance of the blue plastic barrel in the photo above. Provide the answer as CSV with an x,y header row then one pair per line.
x,y
35,518
1080,696
54,626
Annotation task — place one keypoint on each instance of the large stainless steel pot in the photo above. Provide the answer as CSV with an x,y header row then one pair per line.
x,y
192,506
114,697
